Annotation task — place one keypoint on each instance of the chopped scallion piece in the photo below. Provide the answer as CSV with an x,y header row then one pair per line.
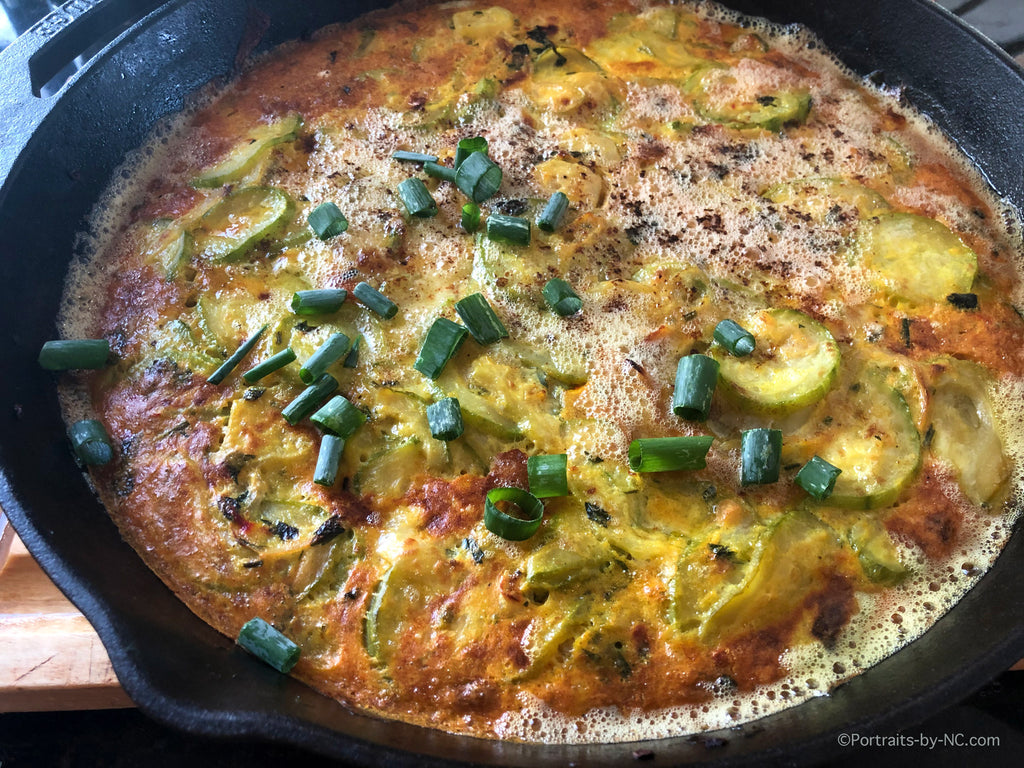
x,y
441,342
375,300
328,353
318,301
339,417
760,456
735,338
308,400
273,363
445,419
468,146
547,474
69,354
90,442
331,447
561,297
352,358
229,365
413,157
696,378
666,454
327,221
480,319
478,177
267,644
818,478
471,217
439,171
417,198
553,212
512,527
508,229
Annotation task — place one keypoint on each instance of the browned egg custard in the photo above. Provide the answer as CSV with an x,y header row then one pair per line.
x,y
723,532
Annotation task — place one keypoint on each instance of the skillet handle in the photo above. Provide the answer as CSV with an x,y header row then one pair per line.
x,y
42,60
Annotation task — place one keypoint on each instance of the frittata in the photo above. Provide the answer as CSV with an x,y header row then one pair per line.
x,y
741,329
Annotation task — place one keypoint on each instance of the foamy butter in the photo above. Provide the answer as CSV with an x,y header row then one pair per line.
x,y
687,197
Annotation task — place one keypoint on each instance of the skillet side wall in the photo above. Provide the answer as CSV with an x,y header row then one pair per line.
x,y
187,675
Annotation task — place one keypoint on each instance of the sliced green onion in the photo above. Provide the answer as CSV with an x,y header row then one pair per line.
x,y
696,377
561,297
318,301
308,400
445,419
352,358
818,478
412,157
327,221
229,365
471,217
735,338
268,644
480,319
439,171
273,363
760,456
478,177
553,212
328,353
508,229
339,417
331,447
547,474
512,527
468,146
667,454
375,300
417,198
68,354
90,442
441,342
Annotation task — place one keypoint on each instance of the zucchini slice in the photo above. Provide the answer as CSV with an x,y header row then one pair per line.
x,y
565,79
720,95
915,258
871,437
794,363
170,246
480,413
709,575
878,556
777,582
389,472
828,201
245,154
559,563
965,435
404,600
234,225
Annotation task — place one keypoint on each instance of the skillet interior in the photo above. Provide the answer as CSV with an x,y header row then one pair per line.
x,y
184,673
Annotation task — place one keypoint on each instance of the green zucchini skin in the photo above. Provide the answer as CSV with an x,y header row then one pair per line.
x,y
794,363
873,440
244,155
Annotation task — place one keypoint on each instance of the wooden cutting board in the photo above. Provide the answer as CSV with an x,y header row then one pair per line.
x,y
50,657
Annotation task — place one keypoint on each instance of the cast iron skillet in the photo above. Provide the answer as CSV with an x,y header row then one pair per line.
x,y
59,153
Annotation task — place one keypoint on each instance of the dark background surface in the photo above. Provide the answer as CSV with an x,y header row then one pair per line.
x,y
118,738
127,738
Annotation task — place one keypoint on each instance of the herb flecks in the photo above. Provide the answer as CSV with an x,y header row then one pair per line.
x,y
597,514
